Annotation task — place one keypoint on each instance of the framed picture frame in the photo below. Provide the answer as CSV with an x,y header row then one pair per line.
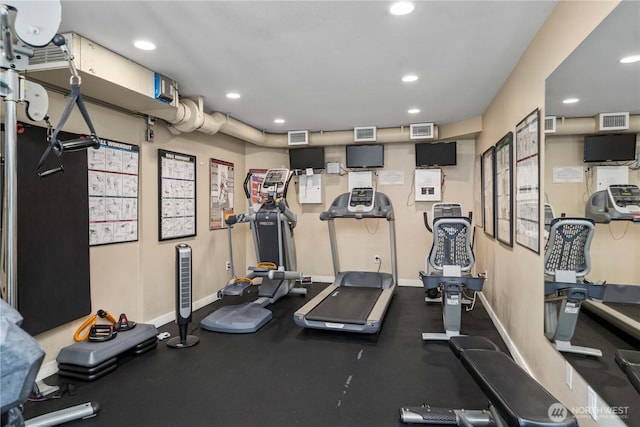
x,y
176,195
487,174
113,192
504,186
527,171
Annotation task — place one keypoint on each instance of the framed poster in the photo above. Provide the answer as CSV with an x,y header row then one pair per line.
x,y
113,192
177,195
257,177
504,185
221,192
527,166
487,170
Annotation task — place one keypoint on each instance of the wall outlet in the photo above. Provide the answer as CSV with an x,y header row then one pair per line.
x,y
376,259
569,375
227,265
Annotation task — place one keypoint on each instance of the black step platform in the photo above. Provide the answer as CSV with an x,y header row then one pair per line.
x,y
89,361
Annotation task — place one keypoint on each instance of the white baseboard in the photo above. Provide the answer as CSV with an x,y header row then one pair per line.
x,y
47,369
517,357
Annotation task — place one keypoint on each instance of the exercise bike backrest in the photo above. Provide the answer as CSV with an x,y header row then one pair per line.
x,y
451,237
568,246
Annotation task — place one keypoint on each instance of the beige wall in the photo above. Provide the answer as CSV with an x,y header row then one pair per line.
x,y
516,274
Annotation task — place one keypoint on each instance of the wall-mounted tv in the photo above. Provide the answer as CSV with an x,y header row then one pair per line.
x,y
435,154
365,156
610,148
307,157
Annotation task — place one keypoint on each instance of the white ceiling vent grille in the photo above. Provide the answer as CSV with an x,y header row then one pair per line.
x,y
364,134
298,137
421,131
550,124
613,121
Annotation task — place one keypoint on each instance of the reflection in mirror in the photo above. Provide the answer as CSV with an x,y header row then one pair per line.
x,y
595,92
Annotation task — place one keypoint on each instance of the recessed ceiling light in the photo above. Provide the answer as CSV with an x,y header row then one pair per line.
x,y
630,59
233,95
278,121
570,101
413,111
409,78
401,8
144,45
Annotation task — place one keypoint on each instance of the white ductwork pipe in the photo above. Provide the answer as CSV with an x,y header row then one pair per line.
x,y
190,117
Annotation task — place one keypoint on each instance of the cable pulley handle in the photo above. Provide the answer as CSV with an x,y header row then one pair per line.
x,y
74,99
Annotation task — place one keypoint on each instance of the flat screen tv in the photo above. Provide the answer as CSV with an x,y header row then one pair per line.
x,y
365,156
610,148
307,157
435,154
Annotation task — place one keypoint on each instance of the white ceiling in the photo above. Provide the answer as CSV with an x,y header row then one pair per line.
x,y
322,65
593,73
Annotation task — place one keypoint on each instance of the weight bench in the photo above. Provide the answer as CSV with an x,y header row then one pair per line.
x,y
629,362
515,398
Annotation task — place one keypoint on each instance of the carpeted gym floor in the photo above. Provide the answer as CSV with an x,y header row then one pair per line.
x,y
284,375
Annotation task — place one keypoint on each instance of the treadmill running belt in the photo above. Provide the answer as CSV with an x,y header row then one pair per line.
x,y
347,304
629,310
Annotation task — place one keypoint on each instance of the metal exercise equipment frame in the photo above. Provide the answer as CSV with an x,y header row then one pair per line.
x,y
35,24
272,227
448,266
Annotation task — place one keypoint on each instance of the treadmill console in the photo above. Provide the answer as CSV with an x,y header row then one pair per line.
x,y
617,202
361,199
625,198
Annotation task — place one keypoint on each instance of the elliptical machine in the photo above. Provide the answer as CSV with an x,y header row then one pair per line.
x,y
448,266
272,228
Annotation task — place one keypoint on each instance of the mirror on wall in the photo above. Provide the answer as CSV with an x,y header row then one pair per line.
x,y
599,83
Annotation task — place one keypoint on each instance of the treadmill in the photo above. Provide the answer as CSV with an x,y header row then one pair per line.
x,y
357,300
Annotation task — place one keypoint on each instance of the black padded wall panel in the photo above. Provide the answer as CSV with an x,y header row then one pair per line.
x,y
53,236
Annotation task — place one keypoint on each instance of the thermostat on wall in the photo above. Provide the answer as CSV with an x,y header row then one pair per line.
x,y
333,167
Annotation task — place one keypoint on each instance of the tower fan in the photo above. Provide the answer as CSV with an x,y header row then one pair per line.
x,y
183,298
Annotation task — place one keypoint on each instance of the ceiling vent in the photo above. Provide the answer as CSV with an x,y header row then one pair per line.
x,y
612,121
364,134
298,137
421,131
550,124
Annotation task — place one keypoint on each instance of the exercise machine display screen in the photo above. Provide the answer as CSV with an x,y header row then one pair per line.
x,y
625,198
275,180
361,199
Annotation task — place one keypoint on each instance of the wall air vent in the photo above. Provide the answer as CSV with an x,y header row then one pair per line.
x,y
550,124
612,121
421,131
298,137
364,134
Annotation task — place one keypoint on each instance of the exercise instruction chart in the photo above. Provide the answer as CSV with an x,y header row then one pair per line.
x,y
177,195
113,192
